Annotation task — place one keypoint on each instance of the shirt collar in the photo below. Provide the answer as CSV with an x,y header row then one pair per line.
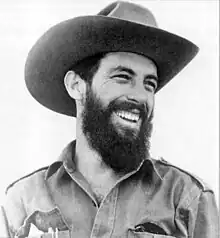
x,y
67,160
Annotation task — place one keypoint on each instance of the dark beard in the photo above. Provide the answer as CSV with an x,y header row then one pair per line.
x,y
122,153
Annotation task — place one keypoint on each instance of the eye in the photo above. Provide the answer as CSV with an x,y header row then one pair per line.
x,y
122,76
151,84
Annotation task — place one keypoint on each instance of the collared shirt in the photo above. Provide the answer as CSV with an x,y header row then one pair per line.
x,y
156,200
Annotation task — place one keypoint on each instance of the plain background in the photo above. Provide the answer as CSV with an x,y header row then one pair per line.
x,y
186,113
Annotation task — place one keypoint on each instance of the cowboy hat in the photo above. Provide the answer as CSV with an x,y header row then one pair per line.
x,y
121,26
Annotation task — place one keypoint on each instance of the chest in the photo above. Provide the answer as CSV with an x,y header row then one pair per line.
x,y
125,207
100,191
101,186
118,215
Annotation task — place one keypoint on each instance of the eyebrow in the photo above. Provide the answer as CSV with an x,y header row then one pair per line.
x,y
131,72
124,69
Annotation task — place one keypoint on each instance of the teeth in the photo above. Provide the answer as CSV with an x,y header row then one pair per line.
x,y
128,115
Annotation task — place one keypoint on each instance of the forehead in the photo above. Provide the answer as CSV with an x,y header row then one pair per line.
x,y
138,63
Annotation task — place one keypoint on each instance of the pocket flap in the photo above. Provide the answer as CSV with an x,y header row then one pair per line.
x,y
136,234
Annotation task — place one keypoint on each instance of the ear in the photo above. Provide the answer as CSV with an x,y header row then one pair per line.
x,y
74,85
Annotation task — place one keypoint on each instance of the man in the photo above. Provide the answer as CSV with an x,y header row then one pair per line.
x,y
105,70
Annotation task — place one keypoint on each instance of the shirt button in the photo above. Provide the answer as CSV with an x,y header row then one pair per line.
x,y
163,160
70,170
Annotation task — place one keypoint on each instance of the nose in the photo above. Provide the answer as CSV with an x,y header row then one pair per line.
x,y
138,94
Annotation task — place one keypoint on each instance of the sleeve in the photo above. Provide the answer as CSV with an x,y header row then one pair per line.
x,y
12,214
4,229
207,220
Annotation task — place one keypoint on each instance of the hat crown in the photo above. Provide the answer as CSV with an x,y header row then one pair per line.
x,y
129,12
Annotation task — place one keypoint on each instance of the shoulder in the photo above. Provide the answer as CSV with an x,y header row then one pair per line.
x,y
25,195
28,180
166,169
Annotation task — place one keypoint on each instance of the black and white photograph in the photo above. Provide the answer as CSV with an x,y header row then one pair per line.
x,y
109,119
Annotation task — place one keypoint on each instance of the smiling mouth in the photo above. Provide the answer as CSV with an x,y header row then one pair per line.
x,y
129,116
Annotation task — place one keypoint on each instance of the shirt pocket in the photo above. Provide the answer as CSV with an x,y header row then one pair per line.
x,y
42,221
51,219
135,234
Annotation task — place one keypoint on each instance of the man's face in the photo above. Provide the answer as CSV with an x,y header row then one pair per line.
x,y
119,108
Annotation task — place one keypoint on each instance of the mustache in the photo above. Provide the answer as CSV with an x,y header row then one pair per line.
x,y
128,106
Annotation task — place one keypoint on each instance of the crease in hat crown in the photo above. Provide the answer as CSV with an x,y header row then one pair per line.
x,y
130,12
120,26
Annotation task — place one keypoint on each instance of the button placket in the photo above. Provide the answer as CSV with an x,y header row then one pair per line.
x,y
104,221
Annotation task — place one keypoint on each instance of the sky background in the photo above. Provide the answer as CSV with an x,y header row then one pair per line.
x,y
186,122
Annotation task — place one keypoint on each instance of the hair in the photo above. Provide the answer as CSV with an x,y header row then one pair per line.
x,y
87,67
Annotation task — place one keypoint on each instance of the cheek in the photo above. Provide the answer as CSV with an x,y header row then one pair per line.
x,y
150,104
108,92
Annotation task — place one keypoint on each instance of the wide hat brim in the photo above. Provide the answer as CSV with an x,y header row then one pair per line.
x,y
71,41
